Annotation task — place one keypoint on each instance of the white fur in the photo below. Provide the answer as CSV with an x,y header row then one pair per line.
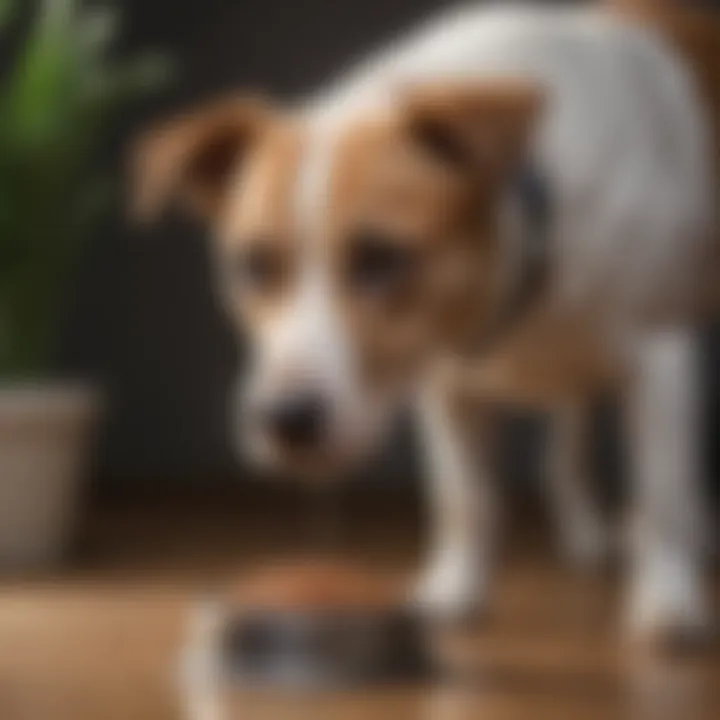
x,y
668,523
304,347
463,501
305,341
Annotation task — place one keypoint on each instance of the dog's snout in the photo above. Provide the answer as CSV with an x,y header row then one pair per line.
x,y
298,420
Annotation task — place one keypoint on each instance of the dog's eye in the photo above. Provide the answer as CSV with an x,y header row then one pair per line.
x,y
258,268
378,263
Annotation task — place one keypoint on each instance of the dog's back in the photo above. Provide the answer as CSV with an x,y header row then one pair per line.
x,y
695,31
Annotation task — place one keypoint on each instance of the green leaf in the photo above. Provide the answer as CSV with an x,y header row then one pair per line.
x,y
57,105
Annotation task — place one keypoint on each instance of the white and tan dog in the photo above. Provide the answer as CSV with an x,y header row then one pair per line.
x,y
374,242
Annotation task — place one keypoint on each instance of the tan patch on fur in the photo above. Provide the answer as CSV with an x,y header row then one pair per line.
x,y
191,157
259,216
384,181
551,356
260,199
490,122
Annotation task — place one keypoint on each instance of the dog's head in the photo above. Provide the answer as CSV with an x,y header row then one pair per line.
x,y
352,249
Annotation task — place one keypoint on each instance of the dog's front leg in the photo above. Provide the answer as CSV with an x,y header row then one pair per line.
x,y
666,596
462,514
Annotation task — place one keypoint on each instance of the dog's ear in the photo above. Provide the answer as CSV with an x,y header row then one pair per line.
x,y
479,127
191,159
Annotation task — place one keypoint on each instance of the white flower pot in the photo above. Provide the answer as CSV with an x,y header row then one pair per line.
x,y
46,434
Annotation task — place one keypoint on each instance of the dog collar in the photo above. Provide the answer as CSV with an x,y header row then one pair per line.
x,y
532,200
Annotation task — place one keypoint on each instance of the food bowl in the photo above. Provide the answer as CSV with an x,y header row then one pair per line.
x,y
319,624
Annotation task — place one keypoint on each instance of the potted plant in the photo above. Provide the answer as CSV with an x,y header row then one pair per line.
x,y
59,94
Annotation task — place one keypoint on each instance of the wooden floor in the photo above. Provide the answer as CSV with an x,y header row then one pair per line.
x,y
99,641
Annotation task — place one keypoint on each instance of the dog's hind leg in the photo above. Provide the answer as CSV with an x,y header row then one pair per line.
x,y
666,596
583,535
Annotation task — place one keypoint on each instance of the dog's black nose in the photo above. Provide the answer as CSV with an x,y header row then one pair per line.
x,y
298,420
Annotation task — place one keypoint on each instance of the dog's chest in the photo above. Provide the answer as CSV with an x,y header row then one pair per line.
x,y
551,355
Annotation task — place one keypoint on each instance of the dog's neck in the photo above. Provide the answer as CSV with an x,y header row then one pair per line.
x,y
524,262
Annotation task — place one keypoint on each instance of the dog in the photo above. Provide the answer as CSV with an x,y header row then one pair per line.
x,y
511,204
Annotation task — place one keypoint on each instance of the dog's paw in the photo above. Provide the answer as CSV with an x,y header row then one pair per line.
x,y
666,606
452,590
